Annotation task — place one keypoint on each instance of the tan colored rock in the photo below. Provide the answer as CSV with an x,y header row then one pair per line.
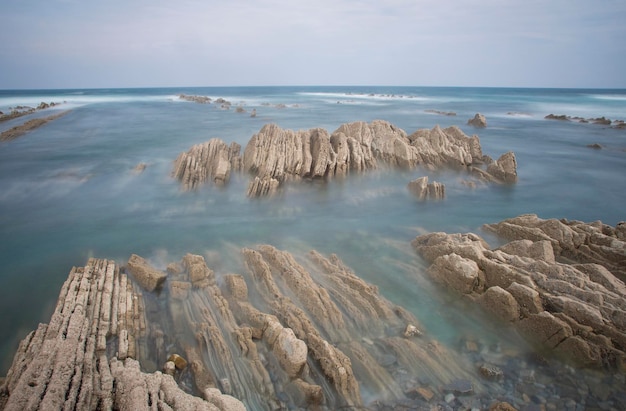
x,y
528,299
500,303
458,273
505,168
423,190
148,277
212,161
290,351
478,121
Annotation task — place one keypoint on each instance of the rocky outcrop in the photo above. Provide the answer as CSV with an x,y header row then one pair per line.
x,y
422,189
603,121
478,121
285,333
576,307
18,131
85,357
195,99
213,161
149,278
275,156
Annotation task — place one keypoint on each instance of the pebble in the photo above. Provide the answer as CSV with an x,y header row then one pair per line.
x,y
449,398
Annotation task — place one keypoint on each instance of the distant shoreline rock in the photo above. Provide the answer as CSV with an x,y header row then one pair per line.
x,y
18,131
603,121
19,111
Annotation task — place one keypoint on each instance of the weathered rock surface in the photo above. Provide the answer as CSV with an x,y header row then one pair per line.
x,y
576,307
145,275
212,161
478,121
84,358
422,189
275,156
284,333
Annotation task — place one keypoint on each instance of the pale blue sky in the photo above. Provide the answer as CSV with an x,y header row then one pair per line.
x,y
143,43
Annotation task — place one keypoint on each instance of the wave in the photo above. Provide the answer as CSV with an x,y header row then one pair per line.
x,y
609,97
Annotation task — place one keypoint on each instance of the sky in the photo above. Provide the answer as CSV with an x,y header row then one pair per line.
x,y
157,43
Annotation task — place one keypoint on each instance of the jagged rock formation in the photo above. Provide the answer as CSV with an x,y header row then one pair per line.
x,y
211,161
282,334
275,156
195,99
576,307
478,121
83,359
422,189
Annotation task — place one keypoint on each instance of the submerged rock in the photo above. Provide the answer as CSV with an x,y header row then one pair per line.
x,y
275,156
423,190
577,309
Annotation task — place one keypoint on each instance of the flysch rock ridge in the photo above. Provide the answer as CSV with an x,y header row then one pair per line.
x,y
275,156
283,333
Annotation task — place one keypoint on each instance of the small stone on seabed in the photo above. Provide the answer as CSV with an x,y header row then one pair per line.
x,y
460,387
411,331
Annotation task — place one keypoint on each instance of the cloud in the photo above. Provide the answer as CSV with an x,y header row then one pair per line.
x,y
433,42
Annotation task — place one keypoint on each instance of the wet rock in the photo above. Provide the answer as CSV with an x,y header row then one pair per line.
x,y
460,387
575,309
411,331
275,156
423,190
561,117
29,125
148,277
595,146
169,368
491,372
420,393
253,113
501,303
178,361
212,162
139,168
478,121
504,169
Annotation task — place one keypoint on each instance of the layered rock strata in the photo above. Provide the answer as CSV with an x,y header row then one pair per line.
x,y
85,357
422,189
212,161
555,281
282,334
275,156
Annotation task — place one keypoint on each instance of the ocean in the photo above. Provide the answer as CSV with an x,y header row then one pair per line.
x,y
68,190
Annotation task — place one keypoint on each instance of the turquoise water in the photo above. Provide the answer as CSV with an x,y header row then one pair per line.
x,y
68,192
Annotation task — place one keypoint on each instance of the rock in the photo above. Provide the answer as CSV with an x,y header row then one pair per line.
x,y
274,156
505,168
502,406
195,99
422,189
178,361
500,303
240,109
148,277
595,146
420,392
478,121
491,372
411,331
547,301
253,113
212,161
169,368
455,272
561,117
291,352
460,387
18,131
139,168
